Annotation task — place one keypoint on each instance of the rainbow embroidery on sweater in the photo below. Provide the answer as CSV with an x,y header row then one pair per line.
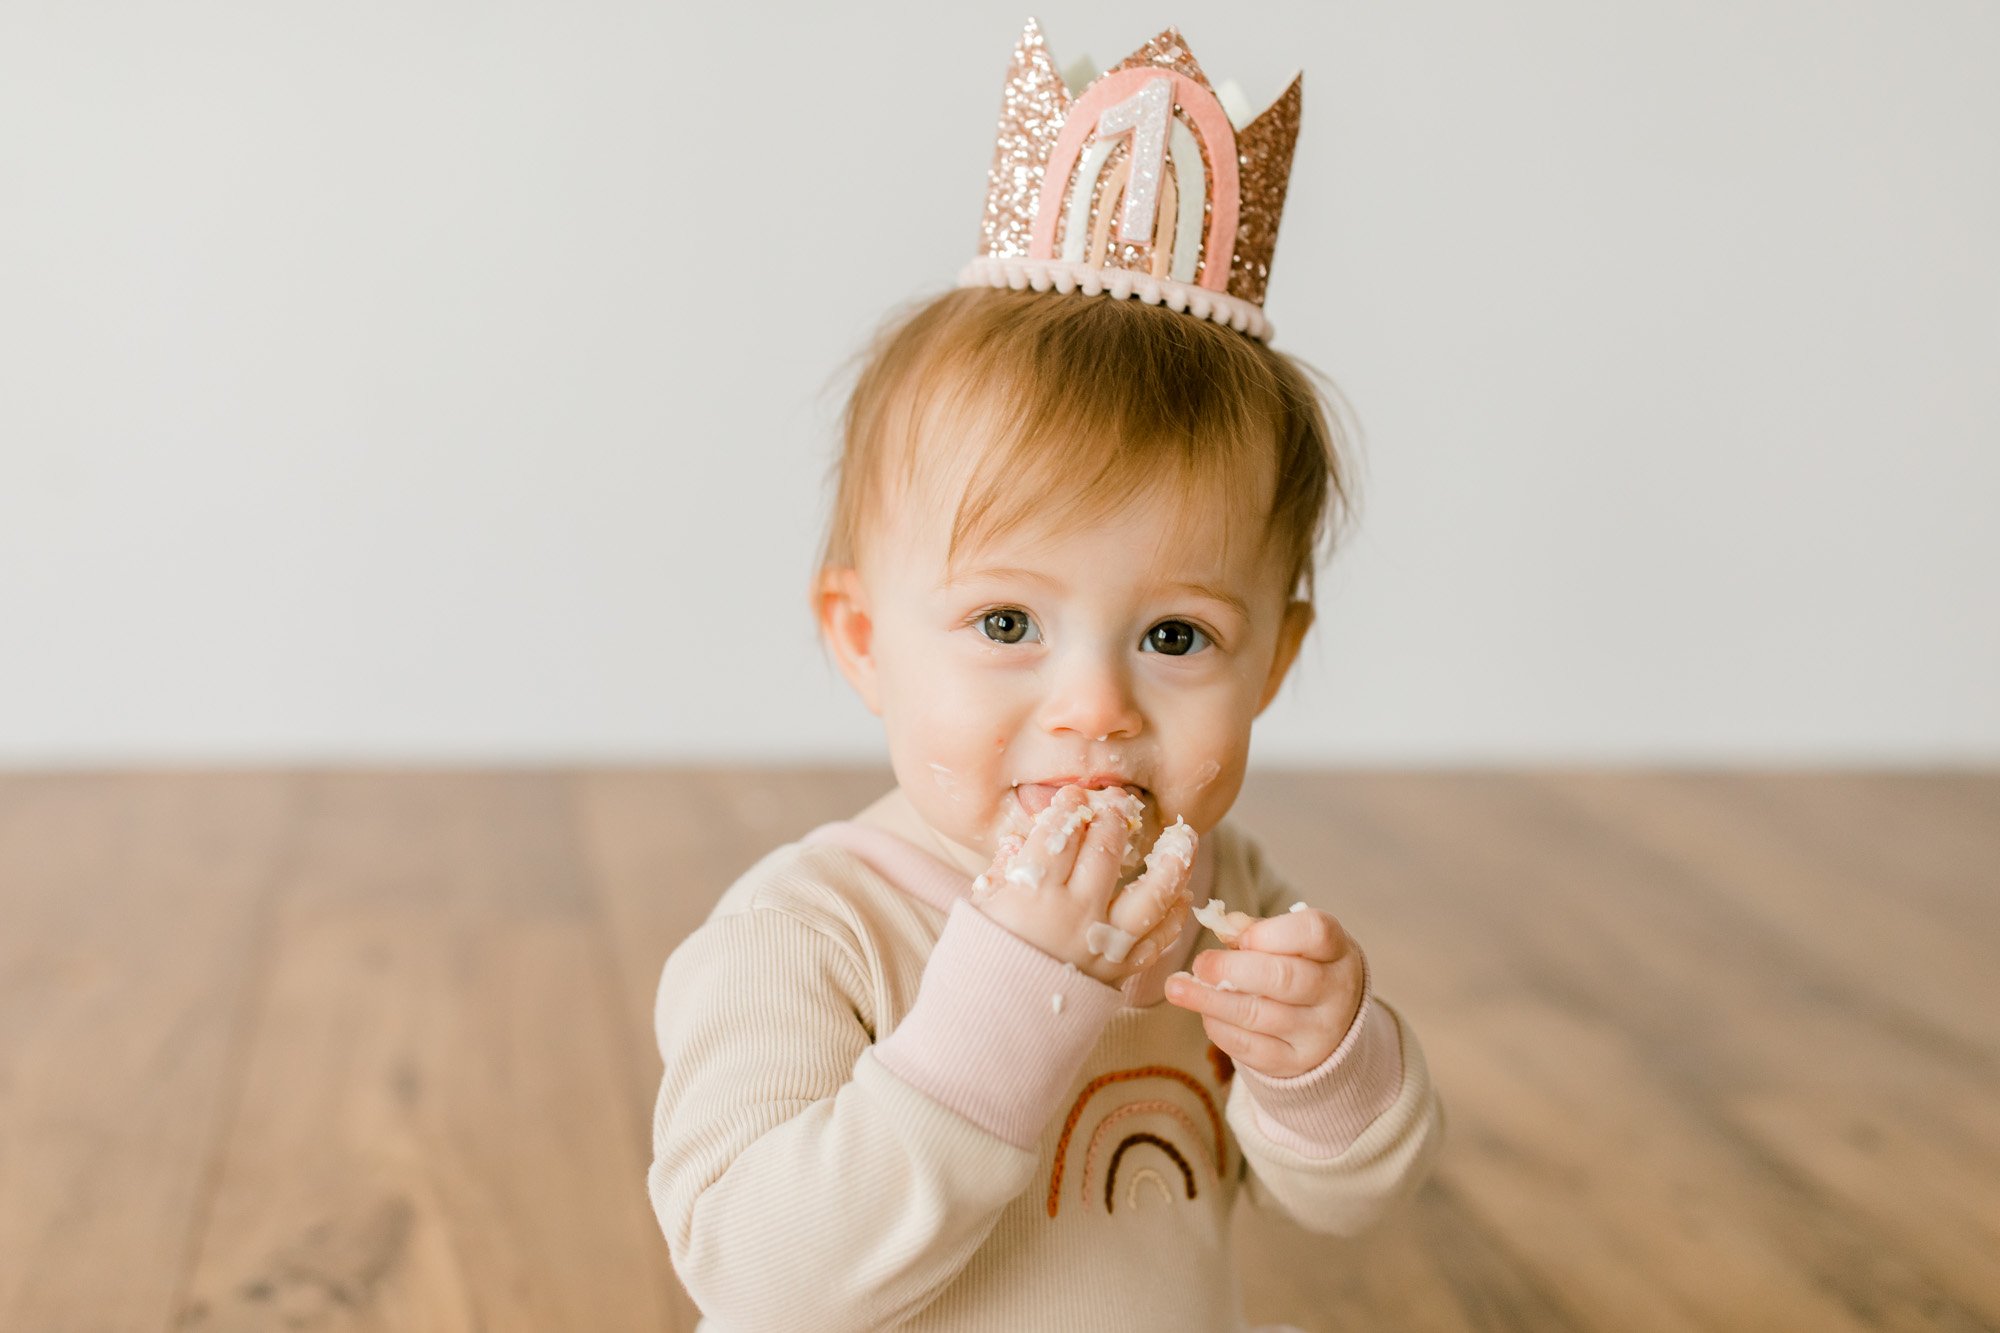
x,y
1213,1159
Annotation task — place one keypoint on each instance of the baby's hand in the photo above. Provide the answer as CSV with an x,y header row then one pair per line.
x,y
1054,886
1282,996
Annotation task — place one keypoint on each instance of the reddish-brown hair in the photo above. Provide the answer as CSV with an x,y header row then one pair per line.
x,y
1086,402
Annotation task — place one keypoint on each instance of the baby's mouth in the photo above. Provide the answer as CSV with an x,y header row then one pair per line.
x,y
1035,796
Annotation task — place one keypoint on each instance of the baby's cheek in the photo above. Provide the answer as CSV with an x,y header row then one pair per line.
x,y
1204,794
951,778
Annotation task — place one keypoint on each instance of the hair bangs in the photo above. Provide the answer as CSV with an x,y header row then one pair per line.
x,y
1060,461
1011,410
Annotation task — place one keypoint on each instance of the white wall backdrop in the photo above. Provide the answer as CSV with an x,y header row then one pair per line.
x,y
442,382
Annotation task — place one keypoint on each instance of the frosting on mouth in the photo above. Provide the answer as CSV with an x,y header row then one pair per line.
x,y
1032,802
1035,796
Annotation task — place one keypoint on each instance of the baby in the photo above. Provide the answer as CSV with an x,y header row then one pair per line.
x,y
961,1061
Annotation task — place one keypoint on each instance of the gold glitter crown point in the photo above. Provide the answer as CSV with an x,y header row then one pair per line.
x,y
1139,184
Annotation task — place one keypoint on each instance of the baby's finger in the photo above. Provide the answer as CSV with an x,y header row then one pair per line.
x,y
1051,846
1304,932
1285,977
1130,812
1255,1013
1099,862
1165,935
1169,866
1165,879
1258,1050
995,874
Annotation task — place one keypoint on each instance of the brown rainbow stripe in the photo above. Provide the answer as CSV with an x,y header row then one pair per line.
x,y
1133,1140
1154,1106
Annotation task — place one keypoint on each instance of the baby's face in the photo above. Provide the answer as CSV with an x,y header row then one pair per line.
x,y
1100,656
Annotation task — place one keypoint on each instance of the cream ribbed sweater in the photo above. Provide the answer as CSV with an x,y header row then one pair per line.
x,y
880,1109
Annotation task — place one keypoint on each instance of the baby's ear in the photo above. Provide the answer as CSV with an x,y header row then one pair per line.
x,y
849,629
1291,633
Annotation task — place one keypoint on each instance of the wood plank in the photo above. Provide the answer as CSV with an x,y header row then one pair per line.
x,y
1644,1004
1938,834
133,909
1897,1154
1437,1267
434,1130
1845,906
374,1050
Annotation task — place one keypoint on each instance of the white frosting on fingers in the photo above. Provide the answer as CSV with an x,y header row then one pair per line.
x,y
1108,942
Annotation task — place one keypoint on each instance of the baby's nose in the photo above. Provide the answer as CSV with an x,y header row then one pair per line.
x,y
1092,699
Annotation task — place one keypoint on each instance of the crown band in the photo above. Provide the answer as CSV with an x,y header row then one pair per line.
x,y
1057,275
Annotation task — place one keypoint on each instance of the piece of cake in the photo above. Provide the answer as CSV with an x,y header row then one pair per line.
x,y
1226,924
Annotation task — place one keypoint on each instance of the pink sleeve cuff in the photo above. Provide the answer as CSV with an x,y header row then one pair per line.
x,y
986,1037
1321,1112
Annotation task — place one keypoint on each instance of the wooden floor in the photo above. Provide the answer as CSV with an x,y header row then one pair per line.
x,y
373,1050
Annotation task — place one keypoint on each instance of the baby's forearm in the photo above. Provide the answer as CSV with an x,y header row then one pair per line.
x,y
999,1029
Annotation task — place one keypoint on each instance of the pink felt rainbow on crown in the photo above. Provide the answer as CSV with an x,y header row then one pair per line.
x,y
1150,183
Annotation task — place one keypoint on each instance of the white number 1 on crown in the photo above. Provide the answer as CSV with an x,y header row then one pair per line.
x,y
1144,116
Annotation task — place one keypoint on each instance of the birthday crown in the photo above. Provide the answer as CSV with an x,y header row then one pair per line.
x,y
1150,183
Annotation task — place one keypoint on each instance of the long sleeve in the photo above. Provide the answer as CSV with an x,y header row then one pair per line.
x,y
805,1176
1339,1146
1346,1194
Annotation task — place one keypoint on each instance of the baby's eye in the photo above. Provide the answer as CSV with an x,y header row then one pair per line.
x,y
1176,638
1008,625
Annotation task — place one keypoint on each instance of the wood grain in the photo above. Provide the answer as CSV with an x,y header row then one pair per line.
x,y
373,1050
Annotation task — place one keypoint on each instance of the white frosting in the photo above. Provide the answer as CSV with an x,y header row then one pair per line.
x,y
1105,801
1108,942
1118,801
1176,841
1226,924
1296,907
1025,873
1074,820
1055,1002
